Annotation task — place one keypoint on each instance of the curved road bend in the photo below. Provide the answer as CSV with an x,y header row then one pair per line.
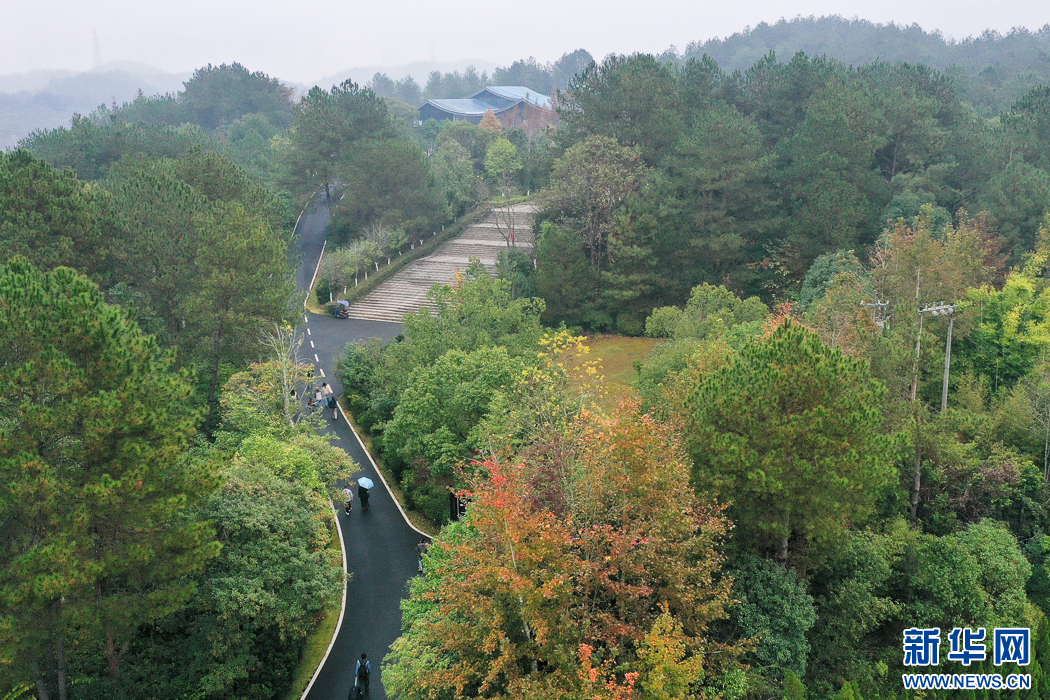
x,y
380,546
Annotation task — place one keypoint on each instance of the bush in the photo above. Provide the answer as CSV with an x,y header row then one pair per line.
x,y
662,322
323,291
432,501
597,320
630,323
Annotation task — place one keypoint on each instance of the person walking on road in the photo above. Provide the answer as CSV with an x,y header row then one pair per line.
x,y
329,399
363,671
362,493
348,498
421,549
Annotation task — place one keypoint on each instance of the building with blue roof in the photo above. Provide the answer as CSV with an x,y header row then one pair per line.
x,y
508,102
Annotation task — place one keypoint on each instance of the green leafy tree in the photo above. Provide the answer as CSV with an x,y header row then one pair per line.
x,y
454,171
326,124
439,408
793,688
791,433
589,183
721,198
244,286
977,576
476,311
1018,199
630,99
275,575
777,611
158,235
217,95
93,144
209,249
93,422
1027,125
388,182
711,312
836,193
565,279
502,164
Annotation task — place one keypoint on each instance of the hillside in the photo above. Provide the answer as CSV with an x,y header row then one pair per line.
x,y
1000,68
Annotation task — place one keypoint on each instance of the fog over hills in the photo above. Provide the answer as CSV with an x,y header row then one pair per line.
x,y
45,99
995,68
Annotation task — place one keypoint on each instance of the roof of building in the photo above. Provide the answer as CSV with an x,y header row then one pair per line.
x,y
473,106
467,107
518,92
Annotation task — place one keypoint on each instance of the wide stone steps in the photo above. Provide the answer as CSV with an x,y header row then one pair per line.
x,y
406,291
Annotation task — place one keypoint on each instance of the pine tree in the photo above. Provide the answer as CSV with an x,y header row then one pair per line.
x,y
93,423
791,433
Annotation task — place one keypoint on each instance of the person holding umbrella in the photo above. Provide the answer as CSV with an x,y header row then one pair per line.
x,y
363,484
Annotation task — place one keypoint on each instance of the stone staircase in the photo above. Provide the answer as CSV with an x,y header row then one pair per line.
x,y
406,291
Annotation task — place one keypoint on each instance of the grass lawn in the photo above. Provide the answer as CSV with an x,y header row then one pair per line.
x,y
616,355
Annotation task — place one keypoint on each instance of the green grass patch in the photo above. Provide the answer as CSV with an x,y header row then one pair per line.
x,y
615,356
318,640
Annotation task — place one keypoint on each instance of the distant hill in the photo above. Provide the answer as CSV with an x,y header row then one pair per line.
x,y
999,68
46,99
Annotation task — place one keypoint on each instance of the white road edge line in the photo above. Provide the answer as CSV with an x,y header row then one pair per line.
x,y
312,279
317,359
339,529
311,344
308,331
342,415
342,609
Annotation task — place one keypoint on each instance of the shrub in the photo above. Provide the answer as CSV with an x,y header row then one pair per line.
x,y
323,291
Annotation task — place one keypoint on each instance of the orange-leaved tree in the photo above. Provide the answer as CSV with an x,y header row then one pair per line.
x,y
604,590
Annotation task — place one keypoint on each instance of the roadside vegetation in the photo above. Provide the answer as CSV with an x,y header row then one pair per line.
x,y
786,251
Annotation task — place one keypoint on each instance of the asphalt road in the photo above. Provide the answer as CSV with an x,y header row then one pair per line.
x,y
380,545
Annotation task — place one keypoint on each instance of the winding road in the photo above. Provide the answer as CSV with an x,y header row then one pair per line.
x,y
380,545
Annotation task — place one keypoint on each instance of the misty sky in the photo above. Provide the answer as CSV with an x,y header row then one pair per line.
x,y
303,41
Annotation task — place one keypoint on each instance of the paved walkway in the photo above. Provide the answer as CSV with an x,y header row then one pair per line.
x,y
380,545
406,291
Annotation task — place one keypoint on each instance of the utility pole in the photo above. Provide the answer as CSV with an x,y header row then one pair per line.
x,y
878,311
917,481
940,309
948,310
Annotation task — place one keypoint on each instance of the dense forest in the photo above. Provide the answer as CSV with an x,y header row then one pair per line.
x,y
800,476
992,70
